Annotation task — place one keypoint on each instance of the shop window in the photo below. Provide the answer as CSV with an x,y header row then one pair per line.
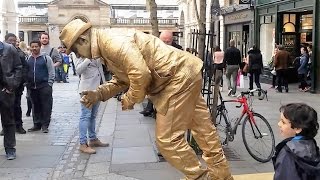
x,y
306,22
289,21
289,27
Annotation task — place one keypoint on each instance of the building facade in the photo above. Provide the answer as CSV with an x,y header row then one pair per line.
x,y
50,16
292,23
8,17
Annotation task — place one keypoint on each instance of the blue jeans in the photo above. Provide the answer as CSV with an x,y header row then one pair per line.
x,y
88,123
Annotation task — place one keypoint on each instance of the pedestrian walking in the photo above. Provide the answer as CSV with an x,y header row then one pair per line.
x,y
303,70
232,60
40,81
255,67
10,79
297,157
281,62
91,76
171,78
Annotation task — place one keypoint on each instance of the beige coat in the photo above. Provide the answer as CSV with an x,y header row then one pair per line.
x,y
144,65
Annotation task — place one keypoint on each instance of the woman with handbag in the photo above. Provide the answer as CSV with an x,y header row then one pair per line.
x,y
218,64
255,67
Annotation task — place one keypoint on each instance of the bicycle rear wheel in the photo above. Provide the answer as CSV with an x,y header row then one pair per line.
x,y
221,126
258,138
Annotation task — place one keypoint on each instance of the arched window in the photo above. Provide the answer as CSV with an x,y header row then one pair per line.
x,y
82,18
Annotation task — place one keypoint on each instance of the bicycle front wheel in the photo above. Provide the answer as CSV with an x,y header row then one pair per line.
x,y
221,127
258,138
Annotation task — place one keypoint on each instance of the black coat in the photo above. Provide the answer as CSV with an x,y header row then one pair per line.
x,y
297,160
255,60
11,67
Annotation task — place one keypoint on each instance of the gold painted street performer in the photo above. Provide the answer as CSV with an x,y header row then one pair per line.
x,y
171,78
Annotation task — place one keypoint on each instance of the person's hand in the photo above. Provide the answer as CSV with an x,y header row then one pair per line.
x,y
126,103
89,98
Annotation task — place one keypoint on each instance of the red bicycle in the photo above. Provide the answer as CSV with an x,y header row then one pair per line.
x,y
257,133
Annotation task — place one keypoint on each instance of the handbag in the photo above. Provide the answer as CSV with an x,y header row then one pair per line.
x,y
245,68
274,72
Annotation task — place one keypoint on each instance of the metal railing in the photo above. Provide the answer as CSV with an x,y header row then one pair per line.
x,y
33,19
142,21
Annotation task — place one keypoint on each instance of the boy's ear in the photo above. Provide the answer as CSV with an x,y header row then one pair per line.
x,y
298,130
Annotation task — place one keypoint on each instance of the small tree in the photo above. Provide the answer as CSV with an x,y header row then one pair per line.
x,y
201,19
152,7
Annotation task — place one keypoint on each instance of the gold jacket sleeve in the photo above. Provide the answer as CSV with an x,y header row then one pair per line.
x,y
137,70
111,88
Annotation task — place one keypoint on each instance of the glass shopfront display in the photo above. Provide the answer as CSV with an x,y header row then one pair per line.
x,y
267,37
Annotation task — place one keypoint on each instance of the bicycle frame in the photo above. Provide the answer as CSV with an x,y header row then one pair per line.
x,y
245,111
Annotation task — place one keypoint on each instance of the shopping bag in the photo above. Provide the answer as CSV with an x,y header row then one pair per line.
x,y
238,78
241,81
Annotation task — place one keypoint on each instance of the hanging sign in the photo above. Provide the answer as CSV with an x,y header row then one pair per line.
x,y
244,1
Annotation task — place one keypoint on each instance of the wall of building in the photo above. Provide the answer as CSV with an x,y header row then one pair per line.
x,y
8,18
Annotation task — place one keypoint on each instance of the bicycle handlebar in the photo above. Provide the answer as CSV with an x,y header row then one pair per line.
x,y
261,97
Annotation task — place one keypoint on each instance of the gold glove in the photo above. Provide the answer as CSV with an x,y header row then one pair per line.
x,y
126,103
89,98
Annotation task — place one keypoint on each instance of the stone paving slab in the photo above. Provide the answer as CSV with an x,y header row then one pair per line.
x,y
133,155
24,173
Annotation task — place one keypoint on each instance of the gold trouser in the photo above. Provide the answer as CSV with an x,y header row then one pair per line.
x,y
188,110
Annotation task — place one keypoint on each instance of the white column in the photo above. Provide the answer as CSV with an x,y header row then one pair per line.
x,y
26,37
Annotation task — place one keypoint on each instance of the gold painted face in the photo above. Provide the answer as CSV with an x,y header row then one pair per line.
x,y
82,47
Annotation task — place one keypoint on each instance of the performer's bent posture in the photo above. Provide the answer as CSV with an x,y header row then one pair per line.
x,y
171,78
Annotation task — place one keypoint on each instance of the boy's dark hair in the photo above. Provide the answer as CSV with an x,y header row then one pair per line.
x,y
302,116
6,37
35,41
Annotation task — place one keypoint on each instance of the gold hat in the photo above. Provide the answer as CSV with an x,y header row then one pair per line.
x,y
72,31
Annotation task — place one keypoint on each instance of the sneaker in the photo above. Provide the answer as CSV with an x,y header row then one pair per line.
x,y
34,128
45,130
11,155
233,95
28,114
20,130
229,92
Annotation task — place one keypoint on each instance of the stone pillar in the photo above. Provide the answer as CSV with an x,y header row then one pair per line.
x,y
26,37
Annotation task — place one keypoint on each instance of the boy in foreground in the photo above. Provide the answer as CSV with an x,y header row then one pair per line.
x,y
297,156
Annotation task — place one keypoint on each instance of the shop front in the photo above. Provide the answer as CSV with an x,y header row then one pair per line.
x,y
289,23
239,27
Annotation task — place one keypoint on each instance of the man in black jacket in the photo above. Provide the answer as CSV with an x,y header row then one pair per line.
x,y
232,60
11,78
10,38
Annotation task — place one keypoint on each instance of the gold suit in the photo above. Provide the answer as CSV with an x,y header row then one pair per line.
x,y
171,78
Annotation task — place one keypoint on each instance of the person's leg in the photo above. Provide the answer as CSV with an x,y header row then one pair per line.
x,y
8,125
73,68
18,112
36,107
274,78
171,128
251,81
279,78
92,122
207,138
84,123
57,74
257,78
228,77
285,79
45,95
83,128
234,75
